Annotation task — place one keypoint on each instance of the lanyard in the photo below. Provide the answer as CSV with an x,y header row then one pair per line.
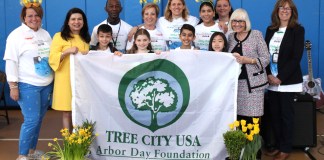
x,y
115,40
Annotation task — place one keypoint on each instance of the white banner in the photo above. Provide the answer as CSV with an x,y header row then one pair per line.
x,y
148,106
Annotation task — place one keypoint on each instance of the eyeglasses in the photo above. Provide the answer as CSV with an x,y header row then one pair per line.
x,y
234,21
285,9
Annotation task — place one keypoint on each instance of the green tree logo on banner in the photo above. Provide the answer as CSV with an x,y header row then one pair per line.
x,y
154,94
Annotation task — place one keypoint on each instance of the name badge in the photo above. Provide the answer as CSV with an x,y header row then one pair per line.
x,y
275,57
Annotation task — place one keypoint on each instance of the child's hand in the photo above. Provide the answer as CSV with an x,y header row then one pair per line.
x,y
118,53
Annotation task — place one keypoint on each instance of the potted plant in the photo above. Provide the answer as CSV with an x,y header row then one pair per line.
x,y
234,140
253,144
75,145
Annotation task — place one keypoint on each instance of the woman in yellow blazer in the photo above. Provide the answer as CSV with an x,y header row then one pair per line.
x,y
74,38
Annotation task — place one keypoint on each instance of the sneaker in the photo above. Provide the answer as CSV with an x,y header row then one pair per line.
x,y
36,155
39,152
22,158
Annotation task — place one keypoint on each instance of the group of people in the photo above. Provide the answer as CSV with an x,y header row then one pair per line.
x,y
33,59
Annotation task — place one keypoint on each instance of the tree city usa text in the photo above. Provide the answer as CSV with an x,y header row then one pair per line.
x,y
151,140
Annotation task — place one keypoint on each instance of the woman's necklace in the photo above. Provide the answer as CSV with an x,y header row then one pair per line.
x,y
240,37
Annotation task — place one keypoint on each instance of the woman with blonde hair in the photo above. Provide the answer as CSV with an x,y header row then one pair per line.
x,y
250,50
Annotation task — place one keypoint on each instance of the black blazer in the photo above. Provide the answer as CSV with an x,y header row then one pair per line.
x,y
290,54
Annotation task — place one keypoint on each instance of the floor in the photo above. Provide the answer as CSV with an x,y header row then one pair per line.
x,y
52,124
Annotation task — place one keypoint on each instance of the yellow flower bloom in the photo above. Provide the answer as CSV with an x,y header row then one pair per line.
x,y
231,126
72,135
75,144
256,125
244,129
243,122
79,140
250,126
82,132
252,132
255,120
250,137
236,123
256,130
44,158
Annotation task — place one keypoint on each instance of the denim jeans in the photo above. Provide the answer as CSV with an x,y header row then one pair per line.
x,y
34,102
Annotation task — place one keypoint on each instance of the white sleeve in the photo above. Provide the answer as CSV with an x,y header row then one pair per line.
x,y
158,25
12,51
12,71
11,57
130,44
94,39
194,20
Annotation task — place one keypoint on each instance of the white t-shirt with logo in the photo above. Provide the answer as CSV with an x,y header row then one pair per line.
x,y
26,54
157,40
203,35
171,30
120,33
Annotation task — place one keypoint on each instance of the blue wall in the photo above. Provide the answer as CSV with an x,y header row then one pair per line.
x,y
311,16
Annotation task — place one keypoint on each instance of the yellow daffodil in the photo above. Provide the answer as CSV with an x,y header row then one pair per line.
x,y
79,141
82,132
76,144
